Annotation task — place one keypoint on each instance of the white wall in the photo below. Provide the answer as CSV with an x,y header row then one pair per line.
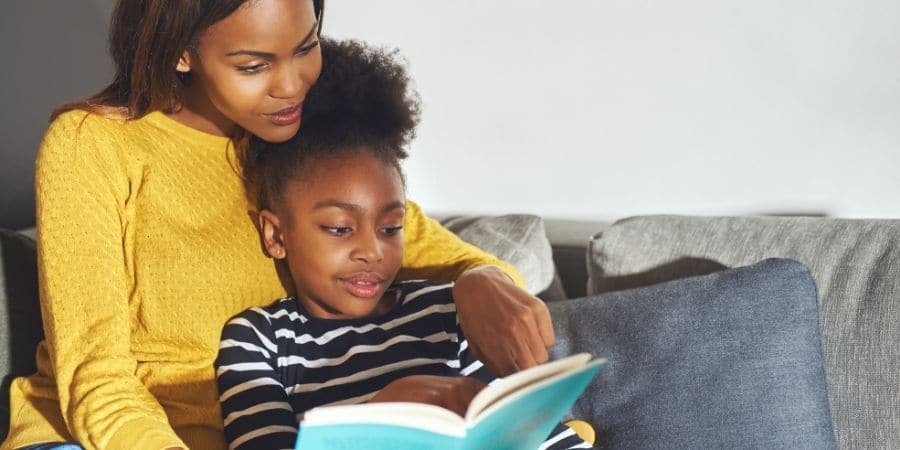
x,y
573,108
599,109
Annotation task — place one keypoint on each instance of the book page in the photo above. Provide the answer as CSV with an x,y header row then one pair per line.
x,y
405,414
524,418
504,386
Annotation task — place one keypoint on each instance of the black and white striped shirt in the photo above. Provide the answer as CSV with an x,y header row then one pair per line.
x,y
277,362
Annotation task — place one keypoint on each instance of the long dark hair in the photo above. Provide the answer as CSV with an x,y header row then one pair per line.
x,y
146,39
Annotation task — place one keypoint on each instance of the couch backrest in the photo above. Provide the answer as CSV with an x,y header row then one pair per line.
x,y
20,315
856,265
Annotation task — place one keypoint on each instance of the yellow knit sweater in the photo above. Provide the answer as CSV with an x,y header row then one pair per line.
x,y
145,249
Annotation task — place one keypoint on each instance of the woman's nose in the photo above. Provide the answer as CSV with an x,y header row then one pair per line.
x,y
287,83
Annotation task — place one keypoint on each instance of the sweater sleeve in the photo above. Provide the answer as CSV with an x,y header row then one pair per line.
x,y
82,191
433,252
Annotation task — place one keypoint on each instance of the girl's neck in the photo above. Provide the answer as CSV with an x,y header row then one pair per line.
x,y
199,113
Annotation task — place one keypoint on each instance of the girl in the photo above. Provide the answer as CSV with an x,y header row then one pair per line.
x,y
146,244
331,206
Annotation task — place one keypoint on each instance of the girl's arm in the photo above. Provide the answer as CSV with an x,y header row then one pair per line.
x,y
81,202
508,328
255,407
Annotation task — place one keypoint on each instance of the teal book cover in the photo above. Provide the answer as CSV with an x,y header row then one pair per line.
x,y
513,413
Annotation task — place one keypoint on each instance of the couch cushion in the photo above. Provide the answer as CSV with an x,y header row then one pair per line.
x,y
856,264
519,239
20,315
726,360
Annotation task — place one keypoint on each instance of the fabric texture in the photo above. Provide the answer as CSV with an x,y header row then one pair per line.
x,y
145,249
519,239
278,362
54,446
725,360
20,314
856,265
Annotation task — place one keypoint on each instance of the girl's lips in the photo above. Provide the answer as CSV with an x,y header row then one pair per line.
x,y
366,287
287,116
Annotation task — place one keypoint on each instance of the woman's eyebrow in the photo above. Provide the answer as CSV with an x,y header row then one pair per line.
x,y
268,55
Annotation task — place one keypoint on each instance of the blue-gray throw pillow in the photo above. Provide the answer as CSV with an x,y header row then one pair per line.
x,y
731,359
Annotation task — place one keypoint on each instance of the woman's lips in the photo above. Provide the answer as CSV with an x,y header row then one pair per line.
x,y
286,116
365,287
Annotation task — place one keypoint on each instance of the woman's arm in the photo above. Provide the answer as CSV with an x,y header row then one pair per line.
x,y
255,407
82,193
434,252
508,329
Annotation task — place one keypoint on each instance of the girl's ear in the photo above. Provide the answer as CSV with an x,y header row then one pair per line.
x,y
184,63
272,237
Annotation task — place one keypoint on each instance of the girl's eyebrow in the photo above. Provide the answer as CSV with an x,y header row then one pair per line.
x,y
394,205
267,55
351,207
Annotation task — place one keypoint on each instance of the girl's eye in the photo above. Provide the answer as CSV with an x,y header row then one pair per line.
x,y
391,231
337,231
254,68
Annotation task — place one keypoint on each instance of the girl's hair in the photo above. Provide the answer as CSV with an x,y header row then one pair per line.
x,y
146,39
363,101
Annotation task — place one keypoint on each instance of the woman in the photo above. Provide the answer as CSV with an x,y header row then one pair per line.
x,y
145,242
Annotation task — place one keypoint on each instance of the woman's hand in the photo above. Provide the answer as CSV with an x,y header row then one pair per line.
x,y
508,329
453,393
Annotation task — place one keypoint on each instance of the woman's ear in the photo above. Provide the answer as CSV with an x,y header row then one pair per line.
x,y
272,237
184,63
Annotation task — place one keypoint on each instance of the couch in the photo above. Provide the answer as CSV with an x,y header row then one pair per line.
x,y
855,265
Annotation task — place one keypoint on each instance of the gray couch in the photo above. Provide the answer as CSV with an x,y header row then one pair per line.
x,y
855,263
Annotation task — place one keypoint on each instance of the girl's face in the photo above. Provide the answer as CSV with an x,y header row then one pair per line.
x,y
253,69
340,230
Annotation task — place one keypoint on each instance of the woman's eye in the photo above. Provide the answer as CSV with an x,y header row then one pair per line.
x,y
305,50
253,68
337,231
391,231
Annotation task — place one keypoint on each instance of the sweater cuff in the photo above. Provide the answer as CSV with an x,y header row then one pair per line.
x,y
144,434
510,271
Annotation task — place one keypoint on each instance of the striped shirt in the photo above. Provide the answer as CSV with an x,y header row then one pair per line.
x,y
277,362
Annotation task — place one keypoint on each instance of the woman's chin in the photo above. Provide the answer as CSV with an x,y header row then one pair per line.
x,y
275,133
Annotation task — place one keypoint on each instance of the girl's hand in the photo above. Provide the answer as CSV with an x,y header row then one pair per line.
x,y
453,393
507,328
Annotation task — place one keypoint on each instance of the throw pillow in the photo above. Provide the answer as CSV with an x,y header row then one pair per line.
x,y
519,239
856,265
727,360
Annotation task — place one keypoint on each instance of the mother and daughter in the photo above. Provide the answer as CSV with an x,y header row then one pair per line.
x,y
148,242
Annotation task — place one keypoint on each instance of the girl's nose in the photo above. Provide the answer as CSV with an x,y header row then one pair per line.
x,y
367,248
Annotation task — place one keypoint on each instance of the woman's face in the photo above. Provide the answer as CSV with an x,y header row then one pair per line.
x,y
254,68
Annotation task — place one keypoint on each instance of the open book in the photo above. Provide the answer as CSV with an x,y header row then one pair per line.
x,y
516,412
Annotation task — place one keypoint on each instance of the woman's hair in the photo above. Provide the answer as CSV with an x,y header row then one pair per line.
x,y
363,101
146,39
